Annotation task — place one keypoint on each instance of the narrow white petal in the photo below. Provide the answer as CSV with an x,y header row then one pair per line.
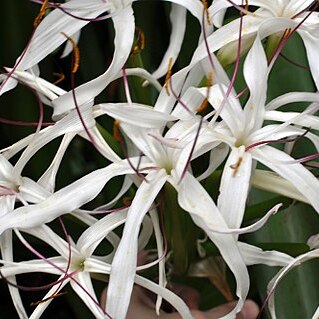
x,y
234,187
81,192
193,198
70,123
292,97
296,174
49,34
47,180
255,73
178,22
38,311
166,294
136,114
254,255
124,35
93,235
88,294
310,39
272,182
306,120
124,263
145,233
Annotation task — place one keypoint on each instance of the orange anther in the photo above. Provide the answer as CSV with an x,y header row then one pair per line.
x,y
235,166
76,53
209,21
168,75
116,130
60,77
41,14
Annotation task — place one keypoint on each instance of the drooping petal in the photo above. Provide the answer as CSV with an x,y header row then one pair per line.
x,y
124,35
193,198
124,263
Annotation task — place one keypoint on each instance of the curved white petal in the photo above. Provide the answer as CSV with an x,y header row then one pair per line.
x,y
272,182
306,120
178,22
136,114
70,123
93,235
254,255
124,263
276,280
193,198
296,174
310,39
166,294
81,192
292,97
49,34
47,180
87,294
41,307
124,26
256,74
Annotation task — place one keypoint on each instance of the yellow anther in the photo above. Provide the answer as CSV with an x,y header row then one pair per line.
x,y
235,166
246,5
209,83
116,130
41,14
209,21
210,79
203,106
60,77
139,43
76,53
168,75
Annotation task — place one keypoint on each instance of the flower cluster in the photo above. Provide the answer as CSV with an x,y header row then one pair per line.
x,y
184,164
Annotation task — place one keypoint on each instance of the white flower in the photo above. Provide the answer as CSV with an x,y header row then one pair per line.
x,y
275,17
250,139
69,18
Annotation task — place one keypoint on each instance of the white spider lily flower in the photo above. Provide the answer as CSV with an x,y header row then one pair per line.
x,y
287,13
171,160
14,189
70,17
75,263
248,141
